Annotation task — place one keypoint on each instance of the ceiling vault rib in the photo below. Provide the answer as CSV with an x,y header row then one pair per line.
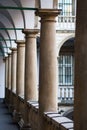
x,y
11,28
17,8
7,39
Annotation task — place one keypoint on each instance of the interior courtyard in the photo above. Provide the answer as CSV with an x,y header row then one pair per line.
x,y
43,65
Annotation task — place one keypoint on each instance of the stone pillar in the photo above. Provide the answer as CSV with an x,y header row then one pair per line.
x,y
13,69
30,70
20,67
48,64
20,72
9,71
6,71
20,77
6,77
80,104
30,65
9,77
13,77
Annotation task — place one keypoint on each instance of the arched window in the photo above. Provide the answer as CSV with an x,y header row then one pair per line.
x,y
66,63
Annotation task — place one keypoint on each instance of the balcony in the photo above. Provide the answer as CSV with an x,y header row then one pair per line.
x,y
66,23
66,94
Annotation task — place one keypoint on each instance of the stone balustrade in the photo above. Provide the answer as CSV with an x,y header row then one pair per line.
x,y
53,120
33,114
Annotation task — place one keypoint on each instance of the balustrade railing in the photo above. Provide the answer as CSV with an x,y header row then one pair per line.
x,y
52,120
66,23
66,94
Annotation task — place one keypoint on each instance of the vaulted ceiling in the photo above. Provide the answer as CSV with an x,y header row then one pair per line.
x,y
16,15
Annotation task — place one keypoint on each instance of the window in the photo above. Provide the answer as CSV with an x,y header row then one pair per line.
x,y
66,6
66,70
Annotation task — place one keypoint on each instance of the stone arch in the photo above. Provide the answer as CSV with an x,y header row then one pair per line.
x,y
63,41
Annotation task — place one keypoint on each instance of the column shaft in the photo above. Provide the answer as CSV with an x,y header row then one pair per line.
x,y
20,67
13,71
48,61
48,64
13,78
6,78
30,65
9,71
6,72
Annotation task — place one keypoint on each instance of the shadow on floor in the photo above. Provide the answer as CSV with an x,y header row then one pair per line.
x,y
6,122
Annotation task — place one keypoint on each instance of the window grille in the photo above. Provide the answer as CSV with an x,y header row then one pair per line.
x,y
66,6
66,70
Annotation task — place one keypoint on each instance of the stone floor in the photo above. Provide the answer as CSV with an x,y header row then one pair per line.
x,y
6,122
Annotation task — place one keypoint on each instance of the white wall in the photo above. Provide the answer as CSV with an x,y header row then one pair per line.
x,y
2,78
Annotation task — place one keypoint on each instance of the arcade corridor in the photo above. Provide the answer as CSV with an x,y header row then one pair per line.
x,y
29,73
6,121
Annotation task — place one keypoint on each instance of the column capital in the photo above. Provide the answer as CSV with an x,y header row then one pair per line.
x,y
46,13
13,49
30,32
20,43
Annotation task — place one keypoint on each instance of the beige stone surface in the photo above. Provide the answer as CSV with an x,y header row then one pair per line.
x,y
20,67
30,65
48,64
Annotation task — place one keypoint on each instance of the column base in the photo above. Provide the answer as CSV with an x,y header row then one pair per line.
x,y
26,127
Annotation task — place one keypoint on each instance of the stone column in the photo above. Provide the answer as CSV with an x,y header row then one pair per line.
x,y
20,76
6,71
20,67
80,104
30,65
13,77
9,71
13,69
9,77
6,77
48,64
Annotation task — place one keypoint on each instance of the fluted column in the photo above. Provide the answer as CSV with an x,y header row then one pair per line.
x,y
20,67
30,65
48,64
80,99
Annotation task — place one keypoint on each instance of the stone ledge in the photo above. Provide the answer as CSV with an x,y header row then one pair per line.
x,y
58,121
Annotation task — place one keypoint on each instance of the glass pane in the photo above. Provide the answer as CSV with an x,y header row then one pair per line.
x,y
60,60
66,70
66,6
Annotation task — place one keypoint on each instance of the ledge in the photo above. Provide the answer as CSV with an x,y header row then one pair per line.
x,y
33,105
59,121
21,98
